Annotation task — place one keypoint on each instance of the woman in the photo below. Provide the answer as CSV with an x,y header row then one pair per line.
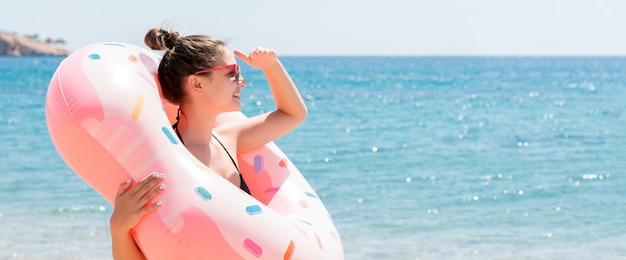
x,y
199,74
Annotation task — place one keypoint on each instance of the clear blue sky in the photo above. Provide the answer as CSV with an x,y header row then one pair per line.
x,y
342,27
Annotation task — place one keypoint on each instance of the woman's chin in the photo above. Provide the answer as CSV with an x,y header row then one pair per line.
x,y
236,108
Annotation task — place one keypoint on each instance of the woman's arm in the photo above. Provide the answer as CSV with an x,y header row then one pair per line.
x,y
131,205
290,108
123,246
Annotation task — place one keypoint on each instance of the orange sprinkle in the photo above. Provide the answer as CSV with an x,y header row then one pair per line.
x,y
283,162
133,58
319,242
138,108
304,204
289,251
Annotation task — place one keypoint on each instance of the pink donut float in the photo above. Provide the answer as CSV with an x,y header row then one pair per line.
x,y
109,123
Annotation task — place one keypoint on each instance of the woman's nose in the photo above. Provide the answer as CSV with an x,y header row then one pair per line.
x,y
242,82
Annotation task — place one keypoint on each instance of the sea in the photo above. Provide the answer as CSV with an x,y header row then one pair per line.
x,y
445,157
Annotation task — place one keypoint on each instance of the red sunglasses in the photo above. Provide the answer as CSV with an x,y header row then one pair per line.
x,y
234,67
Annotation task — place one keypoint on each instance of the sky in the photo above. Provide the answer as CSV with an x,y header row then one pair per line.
x,y
341,27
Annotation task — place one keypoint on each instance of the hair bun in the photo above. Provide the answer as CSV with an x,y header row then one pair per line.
x,y
170,39
161,39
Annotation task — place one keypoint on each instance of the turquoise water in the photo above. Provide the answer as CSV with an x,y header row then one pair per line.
x,y
414,157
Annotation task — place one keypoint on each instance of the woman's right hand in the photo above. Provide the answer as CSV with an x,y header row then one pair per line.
x,y
259,58
133,202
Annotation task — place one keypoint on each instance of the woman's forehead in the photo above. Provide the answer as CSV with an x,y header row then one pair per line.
x,y
227,56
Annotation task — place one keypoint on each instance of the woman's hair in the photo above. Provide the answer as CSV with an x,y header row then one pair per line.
x,y
183,56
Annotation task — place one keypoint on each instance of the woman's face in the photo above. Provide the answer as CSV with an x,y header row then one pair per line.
x,y
222,88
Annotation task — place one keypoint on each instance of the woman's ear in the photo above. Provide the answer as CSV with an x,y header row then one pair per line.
x,y
193,84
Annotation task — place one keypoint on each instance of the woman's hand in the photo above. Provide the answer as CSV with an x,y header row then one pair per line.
x,y
133,203
259,58
290,108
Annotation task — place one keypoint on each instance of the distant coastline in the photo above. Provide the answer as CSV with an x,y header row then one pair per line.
x,y
13,44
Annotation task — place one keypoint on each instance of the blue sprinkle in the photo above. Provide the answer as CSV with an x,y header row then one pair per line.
x,y
254,209
258,163
114,44
305,222
94,56
169,135
204,194
310,194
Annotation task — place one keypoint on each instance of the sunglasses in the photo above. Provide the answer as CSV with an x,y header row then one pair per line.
x,y
237,78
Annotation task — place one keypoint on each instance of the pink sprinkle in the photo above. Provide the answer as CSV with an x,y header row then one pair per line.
x,y
151,82
271,190
252,247
301,231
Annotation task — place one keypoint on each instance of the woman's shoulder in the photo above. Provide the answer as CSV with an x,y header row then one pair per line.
x,y
228,127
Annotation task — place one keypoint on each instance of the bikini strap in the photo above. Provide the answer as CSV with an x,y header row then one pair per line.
x,y
218,140
243,185
231,158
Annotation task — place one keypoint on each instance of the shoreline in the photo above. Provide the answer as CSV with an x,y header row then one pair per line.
x,y
13,44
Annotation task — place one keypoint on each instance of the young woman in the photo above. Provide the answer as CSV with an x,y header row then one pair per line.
x,y
199,74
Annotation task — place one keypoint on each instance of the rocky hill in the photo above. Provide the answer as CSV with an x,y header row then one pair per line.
x,y
13,44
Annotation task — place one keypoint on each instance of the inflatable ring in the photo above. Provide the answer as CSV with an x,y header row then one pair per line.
x,y
109,123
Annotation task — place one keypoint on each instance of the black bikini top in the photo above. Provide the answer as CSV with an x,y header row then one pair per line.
x,y
243,185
